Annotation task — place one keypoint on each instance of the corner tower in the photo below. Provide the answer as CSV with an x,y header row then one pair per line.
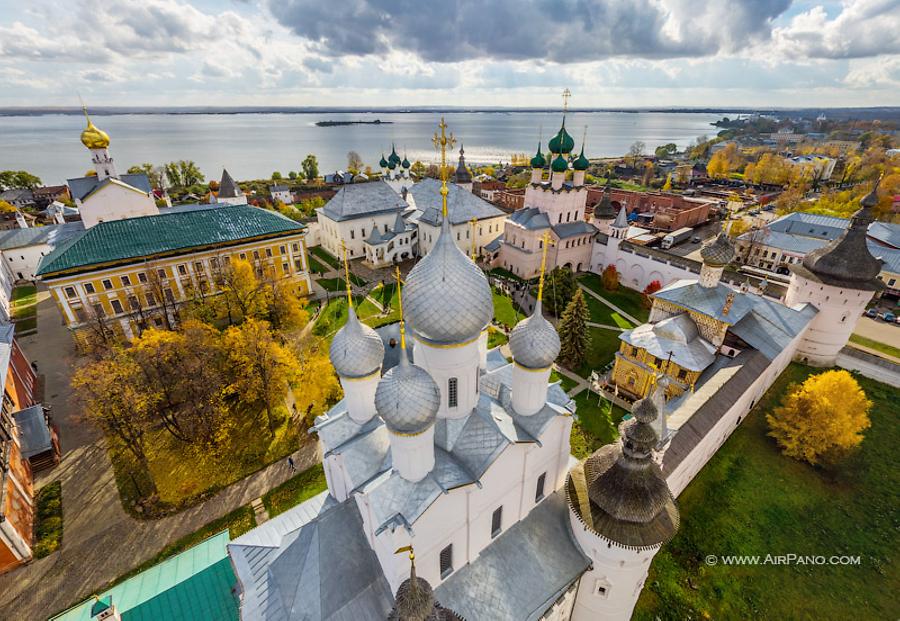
x,y
838,279
621,512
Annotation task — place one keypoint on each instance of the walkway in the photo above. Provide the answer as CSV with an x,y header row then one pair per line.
x,y
100,541
592,293
580,382
872,366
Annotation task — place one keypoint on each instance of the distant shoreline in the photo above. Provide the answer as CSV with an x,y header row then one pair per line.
x,y
880,112
341,123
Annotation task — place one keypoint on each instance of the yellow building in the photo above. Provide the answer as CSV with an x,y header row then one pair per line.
x,y
134,273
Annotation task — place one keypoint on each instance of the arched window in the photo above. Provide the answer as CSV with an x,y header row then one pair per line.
x,y
452,392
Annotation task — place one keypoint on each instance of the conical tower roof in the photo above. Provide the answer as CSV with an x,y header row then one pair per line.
x,y
620,493
415,600
228,188
621,221
719,252
846,261
604,209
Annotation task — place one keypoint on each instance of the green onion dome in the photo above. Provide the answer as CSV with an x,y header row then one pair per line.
x,y
405,163
538,161
562,142
559,164
393,157
581,162
383,163
392,165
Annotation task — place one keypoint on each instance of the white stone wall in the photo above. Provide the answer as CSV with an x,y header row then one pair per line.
x,y
23,262
352,232
6,284
557,205
636,271
114,202
443,363
413,455
359,395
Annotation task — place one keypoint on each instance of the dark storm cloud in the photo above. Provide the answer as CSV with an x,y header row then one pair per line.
x,y
552,30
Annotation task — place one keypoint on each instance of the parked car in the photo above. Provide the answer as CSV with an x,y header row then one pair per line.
x,y
889,316
872,312
696,239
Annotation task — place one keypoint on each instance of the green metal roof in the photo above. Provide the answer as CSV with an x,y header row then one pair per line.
x,y
147,236
196,584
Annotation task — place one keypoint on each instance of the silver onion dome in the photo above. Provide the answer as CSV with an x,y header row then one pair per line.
x,y
534,342
356,350
407,399
718,253
447,297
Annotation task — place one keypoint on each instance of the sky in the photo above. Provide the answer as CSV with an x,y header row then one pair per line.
x,y
388,53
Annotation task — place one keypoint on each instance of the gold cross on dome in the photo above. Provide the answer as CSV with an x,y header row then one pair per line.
x,y
442,141
565,95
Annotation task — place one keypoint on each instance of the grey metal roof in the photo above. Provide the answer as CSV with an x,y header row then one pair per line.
x,y
388,333
51,235
621,221
534,342
228,188
718,252
359,200
34,434
800,244
356,349
447,297
572,229
677,335
11,196
279,188
771,326
530,218
706,300
890,257
494,244
462,205
522,573
845,261
886,232
365,456
311,563
82,186
809,225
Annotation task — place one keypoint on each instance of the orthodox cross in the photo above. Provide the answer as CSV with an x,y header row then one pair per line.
x,y
565,95
442,141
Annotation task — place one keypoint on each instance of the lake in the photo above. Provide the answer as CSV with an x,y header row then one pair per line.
x,y
253,145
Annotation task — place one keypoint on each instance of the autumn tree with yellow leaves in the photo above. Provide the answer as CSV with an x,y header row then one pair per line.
x,y
725,161
821,419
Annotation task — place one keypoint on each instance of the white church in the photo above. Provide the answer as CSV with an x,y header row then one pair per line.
x,y
443,449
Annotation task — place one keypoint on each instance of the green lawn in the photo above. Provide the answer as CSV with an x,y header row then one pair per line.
x,y
628,300
333,284
603,314
48,520
24,308
564,382
751,500
496,338
334,315
326,256
603,347
315,266
594,425
504,311
295,490
884,348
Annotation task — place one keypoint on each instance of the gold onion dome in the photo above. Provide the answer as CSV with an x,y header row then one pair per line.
x,y
93,137
534,342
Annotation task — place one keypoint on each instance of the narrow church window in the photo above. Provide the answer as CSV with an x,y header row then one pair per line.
x,y
452,392
496,521
539,489
446,561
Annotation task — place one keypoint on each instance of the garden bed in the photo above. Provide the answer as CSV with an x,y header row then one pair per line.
x,y
48,520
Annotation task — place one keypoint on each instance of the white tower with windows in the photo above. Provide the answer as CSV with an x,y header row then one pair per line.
x,y
97,142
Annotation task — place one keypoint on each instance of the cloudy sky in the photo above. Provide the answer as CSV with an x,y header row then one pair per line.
x,y
617,53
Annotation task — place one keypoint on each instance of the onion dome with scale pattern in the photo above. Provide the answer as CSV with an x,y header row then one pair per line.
x,y
447,299
559,165
718,253
538,161
356,350
847,261
581,162
562,142
383,163
534,342
620,493
415,601
407,399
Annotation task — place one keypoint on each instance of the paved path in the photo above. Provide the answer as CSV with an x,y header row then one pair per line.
x,y
581,383
592,293
603,325
879,330
100,540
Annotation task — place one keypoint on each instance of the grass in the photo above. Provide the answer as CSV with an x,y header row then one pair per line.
x,y
496,338
315,266
603,314
333,284
564,382
295,490
48,523
603,347
320,253
598,423
334,315
505,273
884,348
751,500
185,475
24,308
628,300
504,311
